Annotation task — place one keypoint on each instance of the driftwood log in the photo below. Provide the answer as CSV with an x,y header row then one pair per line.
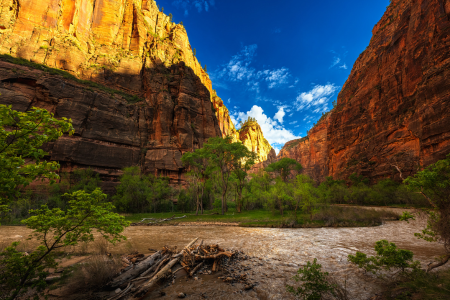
x,y
156,220
162,274
130,274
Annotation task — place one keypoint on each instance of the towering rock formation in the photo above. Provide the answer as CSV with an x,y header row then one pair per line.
x,y
395,106
252,137
131,84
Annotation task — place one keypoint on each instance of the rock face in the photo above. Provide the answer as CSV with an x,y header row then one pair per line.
x,y
252,137
395,106
126,47
110,133
311,151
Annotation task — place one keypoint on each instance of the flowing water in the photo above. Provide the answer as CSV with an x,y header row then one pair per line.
x,y
280,252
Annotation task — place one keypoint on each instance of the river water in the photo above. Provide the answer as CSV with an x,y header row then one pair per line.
x,y
280,252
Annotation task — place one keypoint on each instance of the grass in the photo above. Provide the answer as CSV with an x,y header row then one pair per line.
x,y
327,217
24,62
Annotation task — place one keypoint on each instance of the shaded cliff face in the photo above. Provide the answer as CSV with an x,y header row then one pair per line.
x,y
395,106
110,133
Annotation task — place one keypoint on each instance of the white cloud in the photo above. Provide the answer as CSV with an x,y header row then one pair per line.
x,y
293,122
239,69
316,99
229,100
277,149
344,66
279,115
276,77
272,131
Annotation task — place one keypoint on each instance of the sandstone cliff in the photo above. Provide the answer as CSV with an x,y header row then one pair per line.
x,y
134,53
395,106
251,135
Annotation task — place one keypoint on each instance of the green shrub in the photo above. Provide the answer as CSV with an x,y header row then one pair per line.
x,y
388,258
315,283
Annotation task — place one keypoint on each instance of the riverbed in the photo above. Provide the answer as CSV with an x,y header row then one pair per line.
x,y
278,253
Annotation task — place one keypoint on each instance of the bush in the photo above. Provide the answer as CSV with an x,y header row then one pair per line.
x,y
315,282
388,258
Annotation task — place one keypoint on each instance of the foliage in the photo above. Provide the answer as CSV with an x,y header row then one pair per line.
x,y
279,196
22,134
306,195
142,193
434,184
55,228
225,157
315,282
284,166
388,258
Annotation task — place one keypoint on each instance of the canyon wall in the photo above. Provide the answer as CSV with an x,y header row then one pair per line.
x,y
394,109
151,102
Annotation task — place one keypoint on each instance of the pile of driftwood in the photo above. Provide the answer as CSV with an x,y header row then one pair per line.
x,y
140,274
153,221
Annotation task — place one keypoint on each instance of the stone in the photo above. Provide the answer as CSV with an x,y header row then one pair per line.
x,y
395,105
127,47
181,295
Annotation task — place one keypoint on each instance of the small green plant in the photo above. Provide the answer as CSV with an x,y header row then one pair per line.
x,y
55,229
315,282
388,258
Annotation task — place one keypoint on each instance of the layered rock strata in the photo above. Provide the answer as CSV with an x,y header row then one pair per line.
x,y
128,46
111,134
394,108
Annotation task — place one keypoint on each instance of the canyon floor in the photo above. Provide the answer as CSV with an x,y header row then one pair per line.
x,y
275,255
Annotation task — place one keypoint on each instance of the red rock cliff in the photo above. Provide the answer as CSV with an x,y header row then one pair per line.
x,y
128,46
395,105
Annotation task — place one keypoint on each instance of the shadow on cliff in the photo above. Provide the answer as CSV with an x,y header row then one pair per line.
x,y
148,119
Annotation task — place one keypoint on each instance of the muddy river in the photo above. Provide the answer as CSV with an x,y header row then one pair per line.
x,y
278,253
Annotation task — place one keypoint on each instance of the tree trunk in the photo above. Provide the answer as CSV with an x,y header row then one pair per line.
x,y
223,202
201,202
196,213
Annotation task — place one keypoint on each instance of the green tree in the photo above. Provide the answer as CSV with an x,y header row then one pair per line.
x,y
22,134
433,183
305,195
55,229
170,17
240,172
195,52
199,169
205,68
284,166
279,196
223,155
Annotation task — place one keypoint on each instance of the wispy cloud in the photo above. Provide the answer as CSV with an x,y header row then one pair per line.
x,y
240,69
293,122
316,99
338,59
199,5
272,129
276,30
275,77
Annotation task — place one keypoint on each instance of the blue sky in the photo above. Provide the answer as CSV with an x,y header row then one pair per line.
x,y
282,62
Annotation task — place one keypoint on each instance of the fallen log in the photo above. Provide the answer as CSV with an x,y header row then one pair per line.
x,y
136,271
163,273
156,266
